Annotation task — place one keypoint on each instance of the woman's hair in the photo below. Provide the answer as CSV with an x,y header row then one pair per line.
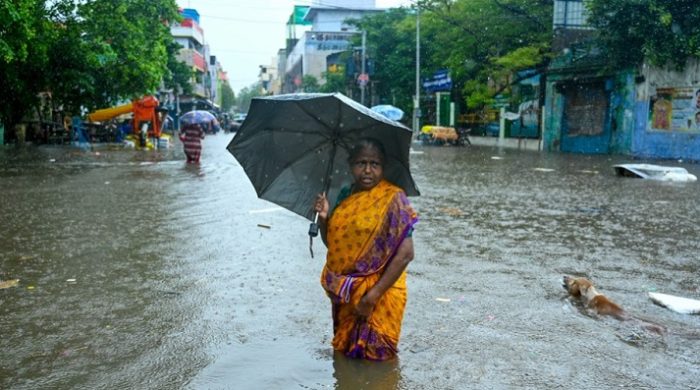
x,y
364,144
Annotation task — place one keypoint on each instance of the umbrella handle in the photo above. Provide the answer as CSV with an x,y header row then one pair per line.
x,y
313,228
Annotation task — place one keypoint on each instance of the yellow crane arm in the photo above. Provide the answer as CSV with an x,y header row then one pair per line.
x,y
109,113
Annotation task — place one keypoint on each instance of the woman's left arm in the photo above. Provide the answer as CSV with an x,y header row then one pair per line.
x,y
403,256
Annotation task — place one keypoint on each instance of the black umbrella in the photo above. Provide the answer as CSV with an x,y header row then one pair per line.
x,y
295,146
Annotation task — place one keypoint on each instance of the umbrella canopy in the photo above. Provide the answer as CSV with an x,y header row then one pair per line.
x,y
197,117
389,111
295,146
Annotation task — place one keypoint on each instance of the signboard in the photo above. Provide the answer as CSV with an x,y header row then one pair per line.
x,y
501,101
297,17
440,81
363,79
675,109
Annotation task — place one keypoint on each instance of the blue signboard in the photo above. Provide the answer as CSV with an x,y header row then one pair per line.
x,y
440,81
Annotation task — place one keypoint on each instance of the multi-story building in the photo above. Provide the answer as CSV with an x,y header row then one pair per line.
x,y
195,53
329,35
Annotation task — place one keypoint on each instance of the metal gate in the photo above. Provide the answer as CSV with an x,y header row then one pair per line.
x,y
585,124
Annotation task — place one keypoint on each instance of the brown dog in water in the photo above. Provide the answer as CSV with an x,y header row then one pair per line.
x,y
593,300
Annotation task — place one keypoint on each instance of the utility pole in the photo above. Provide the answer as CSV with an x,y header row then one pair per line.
x,y
363,83
416,102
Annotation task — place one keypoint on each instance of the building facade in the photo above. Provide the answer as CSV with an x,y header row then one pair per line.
x,y
329,35
646,112
196,54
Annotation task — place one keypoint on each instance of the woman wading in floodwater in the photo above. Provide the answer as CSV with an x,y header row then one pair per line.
x,y
369,242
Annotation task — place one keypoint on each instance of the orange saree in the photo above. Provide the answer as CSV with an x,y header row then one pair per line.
x,y
363,234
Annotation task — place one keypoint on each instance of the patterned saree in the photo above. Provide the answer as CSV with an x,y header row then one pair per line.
x,y
363,234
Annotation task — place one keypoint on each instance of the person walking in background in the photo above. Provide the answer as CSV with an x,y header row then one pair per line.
x,y
369,242
191,136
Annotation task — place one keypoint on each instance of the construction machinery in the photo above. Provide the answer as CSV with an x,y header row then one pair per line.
x,y
147,120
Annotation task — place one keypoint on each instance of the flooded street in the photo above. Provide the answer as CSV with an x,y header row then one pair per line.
x,y
138,271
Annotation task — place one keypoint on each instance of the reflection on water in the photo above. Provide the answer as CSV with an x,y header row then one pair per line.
x,y
353,374
140,271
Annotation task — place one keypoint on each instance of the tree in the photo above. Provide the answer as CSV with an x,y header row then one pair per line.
x,y
390,40
178,74
246,94
335,82
309,83
483,42
26,36
17,29
228,98
127,47
661,31
87,54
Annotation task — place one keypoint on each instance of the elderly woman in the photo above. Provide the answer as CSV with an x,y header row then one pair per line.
x,y
369,242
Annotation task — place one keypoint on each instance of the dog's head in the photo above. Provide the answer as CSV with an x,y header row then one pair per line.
x,y
576,286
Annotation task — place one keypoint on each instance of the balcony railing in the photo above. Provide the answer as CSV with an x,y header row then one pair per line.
x,y
193,58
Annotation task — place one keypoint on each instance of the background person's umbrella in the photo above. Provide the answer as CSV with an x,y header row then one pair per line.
x,y
293,147
197,117
389,111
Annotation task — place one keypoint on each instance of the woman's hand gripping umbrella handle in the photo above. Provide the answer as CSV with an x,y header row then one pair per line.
x,y
321,208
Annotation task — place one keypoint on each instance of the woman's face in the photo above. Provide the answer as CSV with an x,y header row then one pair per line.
x,y
367,169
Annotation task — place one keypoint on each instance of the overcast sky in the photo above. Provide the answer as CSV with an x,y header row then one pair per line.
x,y
244,34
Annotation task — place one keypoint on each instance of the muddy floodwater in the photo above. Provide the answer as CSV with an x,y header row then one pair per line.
x,y
137,271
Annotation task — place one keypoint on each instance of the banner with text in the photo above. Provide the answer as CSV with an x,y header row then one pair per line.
x,y
440,81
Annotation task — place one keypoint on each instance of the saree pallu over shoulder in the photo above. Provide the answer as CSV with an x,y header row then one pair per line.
x,y
364,233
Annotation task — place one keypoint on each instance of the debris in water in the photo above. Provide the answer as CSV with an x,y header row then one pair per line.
x,y
264,226
451,211
677,304
8,283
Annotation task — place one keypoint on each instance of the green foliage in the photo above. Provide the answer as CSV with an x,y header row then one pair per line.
x,y
87,53
309,83
479,95
228,98
178,74
662,31
335,82
16,29
26,36
481,42
127,46
246,94
391,43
